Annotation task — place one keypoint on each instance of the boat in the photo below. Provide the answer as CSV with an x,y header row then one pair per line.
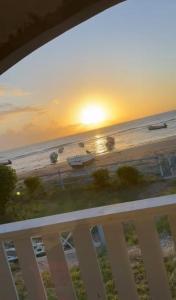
x,y
81,144
159,126
88,152
6,162
110,142
79,161
53,157
110,139
61,149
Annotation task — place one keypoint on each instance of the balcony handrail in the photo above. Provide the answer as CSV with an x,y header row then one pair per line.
x,y
141,212
66,221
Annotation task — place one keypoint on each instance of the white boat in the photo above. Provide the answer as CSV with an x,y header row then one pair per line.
x,y
159,126
80,161
6,162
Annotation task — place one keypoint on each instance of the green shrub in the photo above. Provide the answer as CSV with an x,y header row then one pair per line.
x,y
129,176
32,184
101,177
8,180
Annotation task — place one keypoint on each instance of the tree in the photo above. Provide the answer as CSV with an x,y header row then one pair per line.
x,y
101,177
8,180
32,183
129,175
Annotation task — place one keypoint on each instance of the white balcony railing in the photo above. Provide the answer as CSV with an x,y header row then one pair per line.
x,y
142,213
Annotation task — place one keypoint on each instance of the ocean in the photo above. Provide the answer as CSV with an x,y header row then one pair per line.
x,y
127,135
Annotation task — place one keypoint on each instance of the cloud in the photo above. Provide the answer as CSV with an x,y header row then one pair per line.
x,y
5,105
7,109
6,91
34,133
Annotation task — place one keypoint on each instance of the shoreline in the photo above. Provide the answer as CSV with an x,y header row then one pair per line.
x,y
164,146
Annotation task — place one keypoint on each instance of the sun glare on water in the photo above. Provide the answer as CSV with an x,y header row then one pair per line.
x,y
93,114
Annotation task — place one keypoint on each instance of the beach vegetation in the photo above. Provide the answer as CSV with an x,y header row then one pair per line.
x,y
51,199
8,180
32,184
101,177
129,176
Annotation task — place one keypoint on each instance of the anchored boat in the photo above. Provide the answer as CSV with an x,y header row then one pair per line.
x,y
81,144
80,161
110,142
53,157
159,126
61,149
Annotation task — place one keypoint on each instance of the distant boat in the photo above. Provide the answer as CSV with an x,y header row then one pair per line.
x,y
61,149
110,142
80,161
81,144
53,157
6,162
155,127
88,152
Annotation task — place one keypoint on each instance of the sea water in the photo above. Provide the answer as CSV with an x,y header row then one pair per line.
x,y
126,135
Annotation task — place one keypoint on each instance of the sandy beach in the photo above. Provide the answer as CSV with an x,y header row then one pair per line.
x,y
155,149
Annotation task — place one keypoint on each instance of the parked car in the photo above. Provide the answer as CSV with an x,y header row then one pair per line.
x,y
11,255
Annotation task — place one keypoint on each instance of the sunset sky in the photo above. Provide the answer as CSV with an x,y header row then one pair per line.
x,y
121,62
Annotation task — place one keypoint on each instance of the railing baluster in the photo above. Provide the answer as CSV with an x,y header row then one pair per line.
x,y
7,286
58,267
88,263
30,271
119,260
79,222
153,261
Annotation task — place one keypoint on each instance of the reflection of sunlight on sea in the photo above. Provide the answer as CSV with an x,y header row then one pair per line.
x,y
100,144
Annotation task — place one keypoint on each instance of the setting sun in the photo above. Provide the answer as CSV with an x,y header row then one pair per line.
x,y
93,114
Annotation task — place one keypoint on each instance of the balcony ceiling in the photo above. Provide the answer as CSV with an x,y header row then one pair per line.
x,y
27,25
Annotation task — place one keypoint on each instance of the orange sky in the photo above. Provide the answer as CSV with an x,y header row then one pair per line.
x,y
118,61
